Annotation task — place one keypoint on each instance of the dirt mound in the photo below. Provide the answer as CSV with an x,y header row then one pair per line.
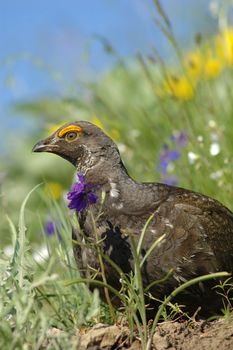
x,y
195,336
202,335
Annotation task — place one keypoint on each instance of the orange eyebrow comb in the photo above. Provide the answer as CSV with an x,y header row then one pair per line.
x,y
63,131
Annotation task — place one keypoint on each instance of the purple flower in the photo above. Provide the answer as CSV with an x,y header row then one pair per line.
x,y
171,180
166,156
169,155
49,227
52,227
81,195
180,138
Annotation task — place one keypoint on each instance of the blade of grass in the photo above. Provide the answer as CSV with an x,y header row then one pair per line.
x,y
176,292
21,237
142,235
97,283
149,251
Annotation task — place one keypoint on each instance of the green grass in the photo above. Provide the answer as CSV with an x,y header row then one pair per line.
x,y
34,298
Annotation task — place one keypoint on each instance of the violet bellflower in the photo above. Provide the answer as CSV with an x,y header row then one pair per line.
x,y
50,227
180,138
170,180
81,195
170,155
166,157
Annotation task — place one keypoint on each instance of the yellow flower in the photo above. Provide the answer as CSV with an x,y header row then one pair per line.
x,y
97,122
194,65
212,68
113,133
180,87
204,65
51,128
224,45
53,189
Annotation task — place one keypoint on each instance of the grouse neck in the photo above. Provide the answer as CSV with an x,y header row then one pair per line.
x,y
106,173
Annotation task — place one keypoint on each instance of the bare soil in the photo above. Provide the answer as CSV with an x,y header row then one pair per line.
x,y
169,335
200,335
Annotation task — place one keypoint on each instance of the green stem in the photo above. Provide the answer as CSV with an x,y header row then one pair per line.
x,y
96,282
176,292
106,290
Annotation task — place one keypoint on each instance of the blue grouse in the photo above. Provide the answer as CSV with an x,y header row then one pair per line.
x,y
198,230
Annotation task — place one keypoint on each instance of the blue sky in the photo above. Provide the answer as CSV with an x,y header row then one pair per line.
x,y
41,36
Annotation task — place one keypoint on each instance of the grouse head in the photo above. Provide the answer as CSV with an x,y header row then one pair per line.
x,y
83,144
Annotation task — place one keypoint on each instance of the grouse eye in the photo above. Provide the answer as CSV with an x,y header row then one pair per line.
x,y
71,136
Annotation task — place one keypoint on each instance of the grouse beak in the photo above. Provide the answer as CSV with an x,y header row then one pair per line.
x,y
44,146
